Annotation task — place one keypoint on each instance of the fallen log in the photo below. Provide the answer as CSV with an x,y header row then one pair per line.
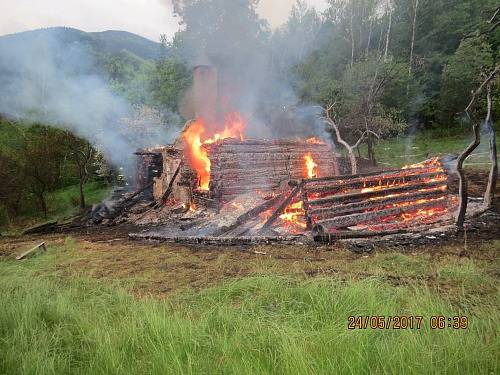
x,y
41,228
210,240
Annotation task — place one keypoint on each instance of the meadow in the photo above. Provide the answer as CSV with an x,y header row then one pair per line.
x,y
67,312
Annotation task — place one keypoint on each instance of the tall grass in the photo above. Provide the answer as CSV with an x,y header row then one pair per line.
x,y
265,324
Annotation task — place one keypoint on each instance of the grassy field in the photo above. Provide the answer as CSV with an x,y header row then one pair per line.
x,y
419,146
78,309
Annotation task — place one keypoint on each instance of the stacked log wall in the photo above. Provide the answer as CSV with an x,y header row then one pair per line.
x,y
239,167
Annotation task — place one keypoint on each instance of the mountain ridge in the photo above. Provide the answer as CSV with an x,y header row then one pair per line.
x,y
108,41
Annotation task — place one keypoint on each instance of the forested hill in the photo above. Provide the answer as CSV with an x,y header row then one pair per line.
x,y
108,42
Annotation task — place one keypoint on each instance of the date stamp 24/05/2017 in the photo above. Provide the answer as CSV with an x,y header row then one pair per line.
x,y
406,322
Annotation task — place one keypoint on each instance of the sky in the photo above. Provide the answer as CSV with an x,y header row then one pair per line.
x,y
149,18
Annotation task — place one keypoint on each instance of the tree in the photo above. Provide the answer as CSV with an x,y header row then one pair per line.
x,y
43,154
168,82
12,186
361,101
83,154
329,119
463,193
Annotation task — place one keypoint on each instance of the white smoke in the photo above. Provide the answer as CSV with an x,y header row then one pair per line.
x,y
51,81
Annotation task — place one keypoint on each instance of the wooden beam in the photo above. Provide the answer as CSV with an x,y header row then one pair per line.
x,y
242,219
40,247
360,218
350,208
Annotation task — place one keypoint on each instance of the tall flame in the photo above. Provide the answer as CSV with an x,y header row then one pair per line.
x,y
195,138
310,166
196,154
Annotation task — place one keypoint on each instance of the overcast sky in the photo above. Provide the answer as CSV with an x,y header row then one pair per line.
x,y
148,18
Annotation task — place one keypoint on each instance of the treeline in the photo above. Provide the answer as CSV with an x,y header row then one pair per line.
x,y
389,66
36,159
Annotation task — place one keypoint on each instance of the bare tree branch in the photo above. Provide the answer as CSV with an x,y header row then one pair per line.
x,y
480,88
328,119
489,194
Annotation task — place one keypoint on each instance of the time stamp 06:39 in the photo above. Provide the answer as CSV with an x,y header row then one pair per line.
x,y
407,322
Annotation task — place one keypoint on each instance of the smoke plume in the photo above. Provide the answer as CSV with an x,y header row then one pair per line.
x,y
254,64
45,79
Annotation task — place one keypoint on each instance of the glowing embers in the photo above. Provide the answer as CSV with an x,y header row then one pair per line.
x,y
293,218
199,134
394,199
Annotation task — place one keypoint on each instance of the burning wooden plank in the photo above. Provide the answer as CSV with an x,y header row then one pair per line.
x,y
358,196
281,208
388,181
371,204
364,217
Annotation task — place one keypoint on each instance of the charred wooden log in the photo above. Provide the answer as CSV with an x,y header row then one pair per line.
x,y
359,218
351,208
281,208
372,176
249,215
211,240
167,193
386,181
320,236
375,193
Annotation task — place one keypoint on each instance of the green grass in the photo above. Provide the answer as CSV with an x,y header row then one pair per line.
x,y
54,324
62,204
413,149
65,202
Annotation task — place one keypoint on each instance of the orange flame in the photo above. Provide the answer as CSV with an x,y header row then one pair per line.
x,y
293,213
310,166
195,138
315,141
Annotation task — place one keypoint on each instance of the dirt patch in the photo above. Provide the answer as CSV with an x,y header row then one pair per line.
x,y
164,269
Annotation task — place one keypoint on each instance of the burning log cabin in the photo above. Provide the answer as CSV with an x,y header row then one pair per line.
x,y
236,168
273,188
300,190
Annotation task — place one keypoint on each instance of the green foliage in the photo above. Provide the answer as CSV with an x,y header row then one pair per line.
x,y
36,160
462,75
414,148
168,81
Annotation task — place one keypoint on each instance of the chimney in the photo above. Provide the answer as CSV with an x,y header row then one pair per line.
x,y
205,87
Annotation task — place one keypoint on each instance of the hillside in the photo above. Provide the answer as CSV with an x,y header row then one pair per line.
x,y
110,42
